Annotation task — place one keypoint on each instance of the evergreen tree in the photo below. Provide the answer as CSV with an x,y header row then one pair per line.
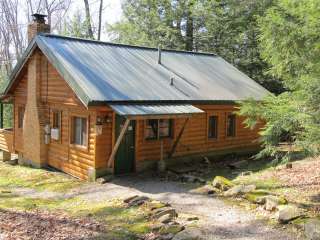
x,y
290,43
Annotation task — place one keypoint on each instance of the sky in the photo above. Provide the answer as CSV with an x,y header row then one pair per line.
x,y
111,13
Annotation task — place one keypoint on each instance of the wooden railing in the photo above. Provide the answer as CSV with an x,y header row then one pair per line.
x,y
6,140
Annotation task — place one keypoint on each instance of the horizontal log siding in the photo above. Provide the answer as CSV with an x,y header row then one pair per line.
x,y
195,137
20,99
104,142
6,140
59,96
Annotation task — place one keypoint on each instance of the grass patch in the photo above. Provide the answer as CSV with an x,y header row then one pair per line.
x,y
39,179
120,222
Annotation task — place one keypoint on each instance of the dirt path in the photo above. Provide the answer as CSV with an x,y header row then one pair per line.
x,y
220,220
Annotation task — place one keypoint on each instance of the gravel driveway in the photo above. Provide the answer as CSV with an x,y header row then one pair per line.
x,y
218,219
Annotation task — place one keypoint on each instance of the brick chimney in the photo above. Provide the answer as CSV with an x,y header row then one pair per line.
x,y
38,25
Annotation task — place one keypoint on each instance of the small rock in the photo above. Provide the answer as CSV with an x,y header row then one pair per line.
x,y
137,201
234,191
156,227
168,236
239,164
312,229
191,233
239,190
289,165
174,229
156,205
105,179
206,160
192,219
13,162
246,173
288,213
166,218
127,200
157,213
172,176
205,190
271,204
5,191
222,183
191,178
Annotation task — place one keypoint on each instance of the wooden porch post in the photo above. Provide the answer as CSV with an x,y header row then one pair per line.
x,y
117,144
173,149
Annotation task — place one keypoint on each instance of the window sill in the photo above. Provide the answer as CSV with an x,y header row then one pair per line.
x,y
79,147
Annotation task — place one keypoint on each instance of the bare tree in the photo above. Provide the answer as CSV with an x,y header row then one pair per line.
x,y
88,19
100,19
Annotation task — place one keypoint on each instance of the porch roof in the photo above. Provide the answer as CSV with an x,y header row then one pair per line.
x,y
154,110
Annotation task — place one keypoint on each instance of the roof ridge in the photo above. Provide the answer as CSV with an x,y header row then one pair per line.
x,y
124,45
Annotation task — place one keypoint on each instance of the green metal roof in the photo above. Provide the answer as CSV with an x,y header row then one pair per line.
x,y
104,73
133,110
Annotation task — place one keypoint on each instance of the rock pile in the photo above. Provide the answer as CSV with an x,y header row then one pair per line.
x,y
163,216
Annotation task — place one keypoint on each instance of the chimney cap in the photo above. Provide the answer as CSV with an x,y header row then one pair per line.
x,y
40,18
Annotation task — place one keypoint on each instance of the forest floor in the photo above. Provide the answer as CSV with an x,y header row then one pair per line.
x,y
299,184
38,204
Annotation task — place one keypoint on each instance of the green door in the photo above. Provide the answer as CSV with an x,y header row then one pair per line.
x,y
124,160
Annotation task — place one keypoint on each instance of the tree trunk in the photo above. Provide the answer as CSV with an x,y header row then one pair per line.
x,y
189,31
88,19
100,19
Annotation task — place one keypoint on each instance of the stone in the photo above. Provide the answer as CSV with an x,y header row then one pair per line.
x,y
156,227
246,173
288,213
289,165
239,190
129,199
136,201
156,205
312,229
172,176
222,183
191,233
192,179
239,164
168,236
105,179
192,219
234,191
13,162
157,213
174,229
271,204
166,218
204,190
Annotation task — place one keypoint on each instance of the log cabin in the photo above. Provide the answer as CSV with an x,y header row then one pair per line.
x,y
90,108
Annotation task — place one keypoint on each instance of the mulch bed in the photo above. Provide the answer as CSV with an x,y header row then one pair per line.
x,y
44,225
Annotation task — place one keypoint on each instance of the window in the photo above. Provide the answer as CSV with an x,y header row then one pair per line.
x,y
158,128
20,116
231,125
213,127
56,121
79,131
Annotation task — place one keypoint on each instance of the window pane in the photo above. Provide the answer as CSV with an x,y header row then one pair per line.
x,y
165,128
213,127
84,136
231,125
151,131
56,119
77,130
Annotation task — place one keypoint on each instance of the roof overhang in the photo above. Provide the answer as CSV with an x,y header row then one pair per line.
x,y
148,111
